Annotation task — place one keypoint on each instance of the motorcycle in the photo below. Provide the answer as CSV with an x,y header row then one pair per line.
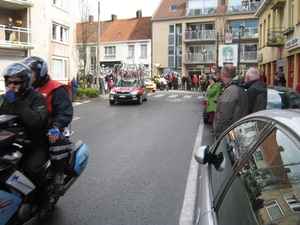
x,y
17,192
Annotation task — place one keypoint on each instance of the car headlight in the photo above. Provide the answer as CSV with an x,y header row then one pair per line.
x,y
135,92
112,91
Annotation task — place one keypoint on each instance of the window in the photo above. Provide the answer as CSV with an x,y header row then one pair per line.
x,y
171,29
173,7
59,68
143,51
294,202
60,33
258,156
292,14
61,4
93,59
110,52
130,51
274,210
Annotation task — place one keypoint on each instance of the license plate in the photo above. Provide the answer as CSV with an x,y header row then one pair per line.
x,y
122,96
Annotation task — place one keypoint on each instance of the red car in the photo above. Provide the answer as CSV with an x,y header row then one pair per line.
x,y
128,90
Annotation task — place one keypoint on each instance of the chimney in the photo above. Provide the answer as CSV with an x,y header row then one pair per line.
x,y
91,18
113,17
139,14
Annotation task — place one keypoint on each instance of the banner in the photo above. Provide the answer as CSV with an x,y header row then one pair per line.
x,y
228,54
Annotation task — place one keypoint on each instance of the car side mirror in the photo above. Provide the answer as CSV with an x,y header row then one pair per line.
x,y
203,155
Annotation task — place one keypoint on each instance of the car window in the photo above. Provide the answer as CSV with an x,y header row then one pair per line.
x,y
283,100
127,83
232,146
267,188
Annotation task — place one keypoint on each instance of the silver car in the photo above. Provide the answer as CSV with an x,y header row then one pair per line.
x,y
251,174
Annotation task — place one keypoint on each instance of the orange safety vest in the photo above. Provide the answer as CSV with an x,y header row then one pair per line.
x,y
47,89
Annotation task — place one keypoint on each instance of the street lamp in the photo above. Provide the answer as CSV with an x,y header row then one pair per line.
x,y
241,27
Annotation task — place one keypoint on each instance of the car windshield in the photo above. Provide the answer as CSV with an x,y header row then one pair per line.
x,y
127,83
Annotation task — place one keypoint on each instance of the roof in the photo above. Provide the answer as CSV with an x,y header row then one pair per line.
x,y
163,9
116,30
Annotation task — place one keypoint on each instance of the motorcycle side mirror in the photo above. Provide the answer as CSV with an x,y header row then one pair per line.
x,y
203,155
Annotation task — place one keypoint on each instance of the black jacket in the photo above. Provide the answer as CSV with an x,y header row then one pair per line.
x,y
257,94
32,111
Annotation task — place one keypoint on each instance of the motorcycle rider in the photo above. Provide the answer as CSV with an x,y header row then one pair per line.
x,y
30,106
60,109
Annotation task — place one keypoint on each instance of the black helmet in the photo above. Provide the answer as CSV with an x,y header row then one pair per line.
x,y
38,64
21,71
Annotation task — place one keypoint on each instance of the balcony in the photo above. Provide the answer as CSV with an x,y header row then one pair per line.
x,y
210,57
243,7
16,4
199,35
20,38
288,30
275,38
278,4
248,32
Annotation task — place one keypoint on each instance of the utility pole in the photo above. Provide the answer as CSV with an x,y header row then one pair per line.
x,y
98,48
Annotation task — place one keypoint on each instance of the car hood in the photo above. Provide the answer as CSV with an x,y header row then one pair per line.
x,y
149,83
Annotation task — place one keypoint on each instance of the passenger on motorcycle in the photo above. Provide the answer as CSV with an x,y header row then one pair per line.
x,y
60,109
30,106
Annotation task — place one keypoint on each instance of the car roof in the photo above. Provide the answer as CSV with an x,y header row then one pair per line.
x,y
288,117
280,88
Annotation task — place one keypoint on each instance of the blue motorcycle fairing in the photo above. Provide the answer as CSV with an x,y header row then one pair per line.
x,y
81,160
9,205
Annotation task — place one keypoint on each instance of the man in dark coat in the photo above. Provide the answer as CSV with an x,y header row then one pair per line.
x,y
257,91
8,28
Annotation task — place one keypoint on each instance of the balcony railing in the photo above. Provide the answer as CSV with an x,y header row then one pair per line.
x,y
243,7
19,4
200,35
19,38
275,37
210,57
249,32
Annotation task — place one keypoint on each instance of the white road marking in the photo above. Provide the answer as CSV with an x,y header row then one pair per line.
x,y
188,206
172,96
187,96
158,96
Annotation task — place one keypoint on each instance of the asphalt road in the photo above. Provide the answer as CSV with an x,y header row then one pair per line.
x,y
141,168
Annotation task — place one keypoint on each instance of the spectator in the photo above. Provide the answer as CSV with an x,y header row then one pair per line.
x,y
256,91
183,80
232,104
279,79
8,28
195,81
74,86
213,92
297,89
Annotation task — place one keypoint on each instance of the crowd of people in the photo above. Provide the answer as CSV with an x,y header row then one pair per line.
x,y
176,82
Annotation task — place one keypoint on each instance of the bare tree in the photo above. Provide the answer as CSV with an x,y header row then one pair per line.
x,y
84,34
220,25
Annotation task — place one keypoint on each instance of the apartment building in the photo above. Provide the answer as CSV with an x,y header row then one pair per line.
x,y
194,36
279,39
122,41
40,28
